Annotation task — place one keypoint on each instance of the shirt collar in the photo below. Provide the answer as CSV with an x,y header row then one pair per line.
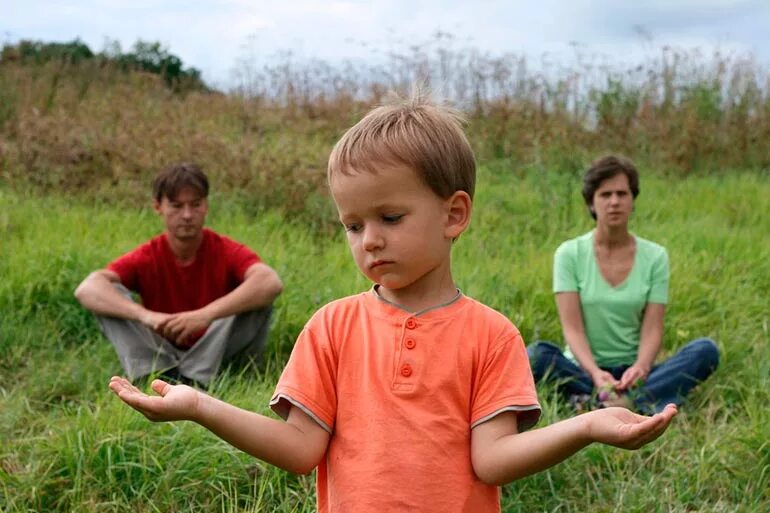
x,y
377,294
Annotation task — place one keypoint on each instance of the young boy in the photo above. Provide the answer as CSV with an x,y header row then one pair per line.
x,y
411,396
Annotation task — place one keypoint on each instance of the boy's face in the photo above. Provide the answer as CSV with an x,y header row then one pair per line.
x,y
399,231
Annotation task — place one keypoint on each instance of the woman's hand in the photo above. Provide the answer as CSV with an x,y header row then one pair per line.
x,y
622,428
603,380
175,402
633,374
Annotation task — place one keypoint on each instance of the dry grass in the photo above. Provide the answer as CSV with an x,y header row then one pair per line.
x,y
90,129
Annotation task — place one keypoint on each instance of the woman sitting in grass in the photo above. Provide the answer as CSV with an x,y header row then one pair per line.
x,y
611,291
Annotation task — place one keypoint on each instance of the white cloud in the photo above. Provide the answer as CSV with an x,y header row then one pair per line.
x,y
210,35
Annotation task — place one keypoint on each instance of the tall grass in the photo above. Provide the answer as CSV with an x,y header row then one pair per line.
x,y
80,143
67,445
88,128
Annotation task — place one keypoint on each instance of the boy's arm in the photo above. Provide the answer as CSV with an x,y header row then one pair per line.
x,y
297,445
501,454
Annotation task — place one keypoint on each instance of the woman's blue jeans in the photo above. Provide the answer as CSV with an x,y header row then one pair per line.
x,y
668,382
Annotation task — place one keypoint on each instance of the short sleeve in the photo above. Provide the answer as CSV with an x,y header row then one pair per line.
x,y
564,268
659,278
309,378
239,258
504,383
127,266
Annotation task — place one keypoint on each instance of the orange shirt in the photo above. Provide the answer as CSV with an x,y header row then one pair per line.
x,y
399,394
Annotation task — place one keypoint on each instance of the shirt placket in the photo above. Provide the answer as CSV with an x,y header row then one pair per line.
x,y
407,365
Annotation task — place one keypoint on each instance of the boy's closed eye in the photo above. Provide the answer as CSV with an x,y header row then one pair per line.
x,y
386,219
392,218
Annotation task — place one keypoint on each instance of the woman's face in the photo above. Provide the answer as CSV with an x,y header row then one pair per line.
x,y
613,201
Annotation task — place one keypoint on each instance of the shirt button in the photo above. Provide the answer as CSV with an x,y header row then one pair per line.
x,y
410,343
406,370
411,324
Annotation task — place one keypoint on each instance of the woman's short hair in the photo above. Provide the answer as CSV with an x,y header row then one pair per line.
x,y
171,180
606,167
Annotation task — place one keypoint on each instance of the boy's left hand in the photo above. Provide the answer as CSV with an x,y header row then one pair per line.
x,y
623,428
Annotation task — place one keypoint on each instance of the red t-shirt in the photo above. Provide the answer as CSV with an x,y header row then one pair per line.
x,y
165,285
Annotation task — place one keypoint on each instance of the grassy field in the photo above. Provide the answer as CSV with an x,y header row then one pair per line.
x,y
66,444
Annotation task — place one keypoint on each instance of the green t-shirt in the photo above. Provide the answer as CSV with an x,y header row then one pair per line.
x,y
612,316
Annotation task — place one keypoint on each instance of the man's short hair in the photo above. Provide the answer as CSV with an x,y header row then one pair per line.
x,y
606,167
171,180
415,133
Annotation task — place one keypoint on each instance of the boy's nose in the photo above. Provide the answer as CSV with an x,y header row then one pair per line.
x,y
372,239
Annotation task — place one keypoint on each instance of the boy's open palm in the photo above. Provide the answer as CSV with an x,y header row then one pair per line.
x,y
623,428
174,402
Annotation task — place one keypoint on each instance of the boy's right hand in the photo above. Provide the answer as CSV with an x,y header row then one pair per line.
x,y
623,428
174,402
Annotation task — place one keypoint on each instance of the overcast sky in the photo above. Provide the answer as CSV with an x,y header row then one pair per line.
x,y
212,35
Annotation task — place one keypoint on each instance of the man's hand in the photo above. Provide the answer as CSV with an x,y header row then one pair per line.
x,y
175,402
633,374
181,326
622,428
154,320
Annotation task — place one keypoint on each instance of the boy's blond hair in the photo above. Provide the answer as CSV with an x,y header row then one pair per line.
x,y
415,133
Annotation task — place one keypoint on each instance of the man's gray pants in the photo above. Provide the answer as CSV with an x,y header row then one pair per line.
x,y
143,351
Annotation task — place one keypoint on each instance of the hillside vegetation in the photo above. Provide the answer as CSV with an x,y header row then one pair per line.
x,y
96,127
79,143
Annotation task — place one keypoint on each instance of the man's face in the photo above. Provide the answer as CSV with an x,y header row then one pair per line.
x,y
183,215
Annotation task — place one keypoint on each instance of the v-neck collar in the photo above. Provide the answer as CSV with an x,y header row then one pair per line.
x,y
622,283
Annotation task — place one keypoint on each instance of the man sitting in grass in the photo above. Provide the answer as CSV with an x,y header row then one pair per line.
x,y
206,299
410,396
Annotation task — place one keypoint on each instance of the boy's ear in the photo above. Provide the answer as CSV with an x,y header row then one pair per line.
x,y
458,209
156,206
